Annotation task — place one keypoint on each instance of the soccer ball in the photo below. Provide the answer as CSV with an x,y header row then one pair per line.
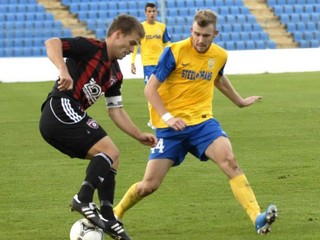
x,y
85,230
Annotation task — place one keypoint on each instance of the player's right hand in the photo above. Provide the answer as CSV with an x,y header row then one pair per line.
x,y
133,68
65,82
177,124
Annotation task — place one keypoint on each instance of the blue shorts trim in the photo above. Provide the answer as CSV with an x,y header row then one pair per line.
x,y
195,139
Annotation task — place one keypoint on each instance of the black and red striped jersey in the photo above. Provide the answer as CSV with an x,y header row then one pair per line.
x,y
92,72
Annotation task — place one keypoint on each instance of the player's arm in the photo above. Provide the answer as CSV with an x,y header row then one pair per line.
x,y
165,66
133,58
153,97
166,38
121,118
224,85
55,54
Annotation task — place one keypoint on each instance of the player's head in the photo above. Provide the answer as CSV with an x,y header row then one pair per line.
x,y
203,30
126,24
150,10
123,34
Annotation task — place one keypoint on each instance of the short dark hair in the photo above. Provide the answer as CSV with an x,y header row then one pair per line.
x,y
127,24
151,5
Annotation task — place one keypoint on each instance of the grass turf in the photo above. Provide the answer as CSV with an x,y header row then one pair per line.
x,y
275,141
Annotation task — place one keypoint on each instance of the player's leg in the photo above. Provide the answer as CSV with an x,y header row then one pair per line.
x,y
106,190
147,72
103,154
97,171
59,130
220,151
155,172
106,187
170,151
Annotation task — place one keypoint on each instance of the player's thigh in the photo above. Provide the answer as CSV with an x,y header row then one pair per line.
x,y
107,146
74,139
220,150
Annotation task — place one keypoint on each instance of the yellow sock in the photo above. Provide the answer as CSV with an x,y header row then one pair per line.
x,y
129,200
245,196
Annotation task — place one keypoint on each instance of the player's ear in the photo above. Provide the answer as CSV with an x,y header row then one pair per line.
x,y
215,33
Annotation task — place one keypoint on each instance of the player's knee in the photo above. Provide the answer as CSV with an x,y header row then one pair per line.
x,y
115,158
146,189
105,146
113,153
229,162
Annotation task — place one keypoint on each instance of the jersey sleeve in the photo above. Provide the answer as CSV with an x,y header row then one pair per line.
x,y
113,91
75,47
116,77
221,70
166,65
166,38
113,96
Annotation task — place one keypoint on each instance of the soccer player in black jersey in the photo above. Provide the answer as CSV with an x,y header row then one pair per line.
x,y
90,69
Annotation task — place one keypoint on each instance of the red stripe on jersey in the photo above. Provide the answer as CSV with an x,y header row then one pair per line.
x,y
65,45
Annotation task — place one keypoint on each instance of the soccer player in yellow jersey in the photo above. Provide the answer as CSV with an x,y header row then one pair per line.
x,y
180,92
153,43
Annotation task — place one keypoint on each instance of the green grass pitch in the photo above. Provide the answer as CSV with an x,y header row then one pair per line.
x,y
276,142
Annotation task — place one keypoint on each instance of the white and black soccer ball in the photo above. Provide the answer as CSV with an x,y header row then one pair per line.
x,y
85,230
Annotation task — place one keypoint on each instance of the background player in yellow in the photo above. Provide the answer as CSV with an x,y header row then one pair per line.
x,y
152,44
180,93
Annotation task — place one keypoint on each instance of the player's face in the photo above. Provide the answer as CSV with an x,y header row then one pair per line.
x,y
151,14
125,44
202,37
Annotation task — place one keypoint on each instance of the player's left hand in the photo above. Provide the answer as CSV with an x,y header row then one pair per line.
x,y
148,139
250,100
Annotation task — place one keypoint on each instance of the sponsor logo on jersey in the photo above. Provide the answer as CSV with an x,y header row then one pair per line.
x,y
210,63
156,36
192,75
92,91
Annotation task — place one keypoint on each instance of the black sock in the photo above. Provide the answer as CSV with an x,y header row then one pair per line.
x,y
86,192
97,170
106,195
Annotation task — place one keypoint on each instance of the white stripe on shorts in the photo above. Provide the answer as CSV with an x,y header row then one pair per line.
x,y
69,111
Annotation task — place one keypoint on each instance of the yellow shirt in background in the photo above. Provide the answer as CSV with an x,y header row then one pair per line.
x,y
153,43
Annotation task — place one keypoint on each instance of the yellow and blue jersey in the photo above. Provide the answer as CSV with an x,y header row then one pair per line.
x,y
152,44
187,77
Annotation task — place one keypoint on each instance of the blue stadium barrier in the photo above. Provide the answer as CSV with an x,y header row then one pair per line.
x,y
25,25
233,15
301,19
250,45
238,28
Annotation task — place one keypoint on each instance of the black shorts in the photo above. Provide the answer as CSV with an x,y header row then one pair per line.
x,y
65,126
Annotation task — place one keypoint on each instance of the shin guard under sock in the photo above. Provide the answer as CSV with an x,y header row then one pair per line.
x,y
97,170
106,194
